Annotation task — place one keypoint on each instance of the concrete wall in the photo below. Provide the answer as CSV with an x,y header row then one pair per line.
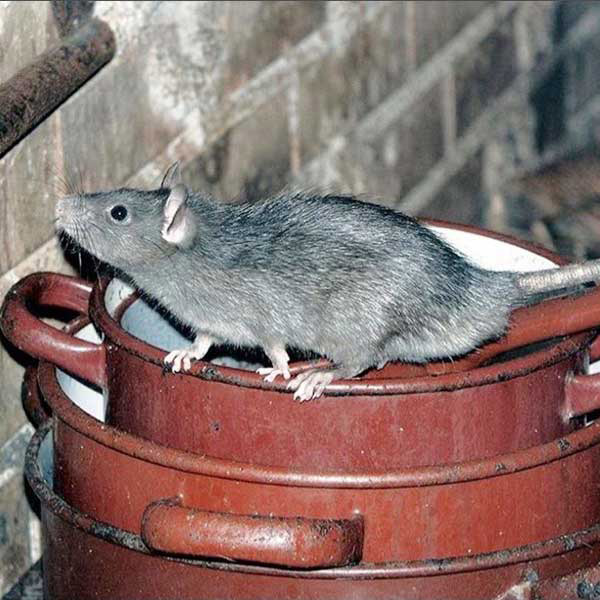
x,y
420,105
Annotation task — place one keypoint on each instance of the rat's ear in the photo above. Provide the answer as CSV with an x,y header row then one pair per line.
x,y
179,221
172,177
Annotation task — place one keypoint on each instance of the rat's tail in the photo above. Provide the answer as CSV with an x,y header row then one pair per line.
x,y
548,280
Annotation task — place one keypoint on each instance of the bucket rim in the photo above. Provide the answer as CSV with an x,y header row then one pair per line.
x,y
67,412
444,382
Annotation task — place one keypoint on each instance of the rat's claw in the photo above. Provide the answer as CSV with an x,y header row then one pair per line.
x,y
295,383
175,357
271,373
304,391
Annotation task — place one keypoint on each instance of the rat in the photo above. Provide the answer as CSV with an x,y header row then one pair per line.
x,y
358,283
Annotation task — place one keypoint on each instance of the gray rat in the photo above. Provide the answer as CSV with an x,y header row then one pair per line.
x,y
356,282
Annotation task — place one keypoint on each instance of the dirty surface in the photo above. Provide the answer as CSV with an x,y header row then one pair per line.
x,y
29,587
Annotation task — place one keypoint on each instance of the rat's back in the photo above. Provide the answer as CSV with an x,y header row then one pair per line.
x,y
333,272
317,232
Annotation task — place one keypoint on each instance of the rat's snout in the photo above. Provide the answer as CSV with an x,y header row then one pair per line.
x,y
67,208
67,205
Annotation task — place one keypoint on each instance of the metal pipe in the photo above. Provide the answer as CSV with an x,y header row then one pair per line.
x,y
33,93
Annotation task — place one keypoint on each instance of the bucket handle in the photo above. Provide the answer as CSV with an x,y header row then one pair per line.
x,y
36,410
299,542
582,392
40,340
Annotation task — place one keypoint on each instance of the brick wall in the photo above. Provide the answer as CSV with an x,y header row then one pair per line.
x,y
419,105
552,195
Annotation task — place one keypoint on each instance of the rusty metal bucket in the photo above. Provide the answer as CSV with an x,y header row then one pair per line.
x,y
124,518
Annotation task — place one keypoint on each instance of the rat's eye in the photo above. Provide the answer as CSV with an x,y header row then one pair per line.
x,y
118,213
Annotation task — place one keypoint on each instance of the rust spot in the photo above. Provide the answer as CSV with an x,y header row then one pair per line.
x,y
532,576
112,534
586,590
323,527
8,328
210,373
569,542
440,564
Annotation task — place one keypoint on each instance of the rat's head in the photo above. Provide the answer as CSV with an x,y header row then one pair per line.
x,y
128,227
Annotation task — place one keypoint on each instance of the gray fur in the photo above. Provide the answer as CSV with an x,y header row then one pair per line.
x,y
356,282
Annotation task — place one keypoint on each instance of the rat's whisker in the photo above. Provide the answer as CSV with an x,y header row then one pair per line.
x,y
74,249
95,225
80,180
60,178
89,241
72,188
61,187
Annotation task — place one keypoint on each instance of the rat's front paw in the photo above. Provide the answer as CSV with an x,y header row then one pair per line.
x,y
271,373
310,384
185,356
182,358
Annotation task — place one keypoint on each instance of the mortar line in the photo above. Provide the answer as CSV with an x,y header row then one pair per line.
x,y
330,38
8,278
448,104
466,147
35,538
411,35
293,121
382,117
577,36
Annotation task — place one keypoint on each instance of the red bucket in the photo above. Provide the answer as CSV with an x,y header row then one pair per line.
x,y
125,518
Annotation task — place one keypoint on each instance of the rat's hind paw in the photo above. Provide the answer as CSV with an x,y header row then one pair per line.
x,y
310,384
271,373
279,359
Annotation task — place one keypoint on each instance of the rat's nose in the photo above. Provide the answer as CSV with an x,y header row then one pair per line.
x,y
66,207
61,207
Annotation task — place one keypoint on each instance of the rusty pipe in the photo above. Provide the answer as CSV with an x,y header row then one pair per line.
x,y
28,97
